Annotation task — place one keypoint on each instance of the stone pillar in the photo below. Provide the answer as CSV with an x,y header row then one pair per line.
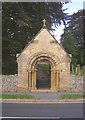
x,y
29,79
51,80
53,83
58,80
54,72
58,72
34,79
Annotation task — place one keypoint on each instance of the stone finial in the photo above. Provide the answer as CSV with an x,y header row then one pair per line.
x,y
44,23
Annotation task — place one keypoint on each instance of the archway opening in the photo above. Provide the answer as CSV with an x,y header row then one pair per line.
x,y
43,80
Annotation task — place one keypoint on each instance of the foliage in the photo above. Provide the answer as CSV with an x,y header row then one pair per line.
x,y
44,66
73,38
20,22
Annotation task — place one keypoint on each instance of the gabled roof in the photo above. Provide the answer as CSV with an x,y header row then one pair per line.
x,y
36,36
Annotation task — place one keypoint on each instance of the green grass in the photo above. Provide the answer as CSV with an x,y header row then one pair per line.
x,y
72,96
16,96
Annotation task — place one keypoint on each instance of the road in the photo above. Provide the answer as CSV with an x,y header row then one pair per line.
x,y
63,110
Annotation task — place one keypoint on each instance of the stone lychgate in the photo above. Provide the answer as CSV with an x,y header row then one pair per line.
x,y
43,49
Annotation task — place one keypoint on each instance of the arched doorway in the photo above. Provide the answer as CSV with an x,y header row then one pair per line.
x,y
48,80
43,77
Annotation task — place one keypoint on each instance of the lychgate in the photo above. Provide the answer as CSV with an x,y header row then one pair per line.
x,y
43,64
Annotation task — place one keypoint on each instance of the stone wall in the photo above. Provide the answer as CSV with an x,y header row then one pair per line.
x,y
76,83
10,82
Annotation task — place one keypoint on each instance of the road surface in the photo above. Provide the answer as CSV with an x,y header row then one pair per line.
x,y
71,110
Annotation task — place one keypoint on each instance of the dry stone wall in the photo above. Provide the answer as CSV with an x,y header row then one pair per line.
x,y
76,83
9,83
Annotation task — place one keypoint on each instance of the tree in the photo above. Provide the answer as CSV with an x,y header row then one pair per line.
x,y
68,42
73,39
20,22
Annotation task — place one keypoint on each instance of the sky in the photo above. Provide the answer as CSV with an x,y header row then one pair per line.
x,y
73,7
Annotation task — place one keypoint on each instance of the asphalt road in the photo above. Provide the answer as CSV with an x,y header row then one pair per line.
x,y
63,110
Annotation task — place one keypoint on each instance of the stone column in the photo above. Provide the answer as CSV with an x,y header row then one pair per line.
x,y
34,79
53,79
58,80
29,79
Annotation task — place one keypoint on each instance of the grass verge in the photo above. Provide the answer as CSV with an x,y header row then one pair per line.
x,y
72,96
16,96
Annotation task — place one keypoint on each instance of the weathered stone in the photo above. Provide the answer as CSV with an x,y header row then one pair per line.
x,y
76,83
44,48
9,83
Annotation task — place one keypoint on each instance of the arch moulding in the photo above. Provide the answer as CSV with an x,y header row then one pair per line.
x,y
42,56
34,59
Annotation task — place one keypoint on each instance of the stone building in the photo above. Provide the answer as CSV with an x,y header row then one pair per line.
x,y
43,50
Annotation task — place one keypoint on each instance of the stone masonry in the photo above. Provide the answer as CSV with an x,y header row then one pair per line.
x,y
10,82
43,48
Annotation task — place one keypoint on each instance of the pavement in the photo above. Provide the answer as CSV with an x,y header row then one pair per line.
x,y
42,97
41,101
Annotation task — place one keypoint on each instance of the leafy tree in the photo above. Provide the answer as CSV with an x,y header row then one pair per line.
x,y
73,39
68,42
20,22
